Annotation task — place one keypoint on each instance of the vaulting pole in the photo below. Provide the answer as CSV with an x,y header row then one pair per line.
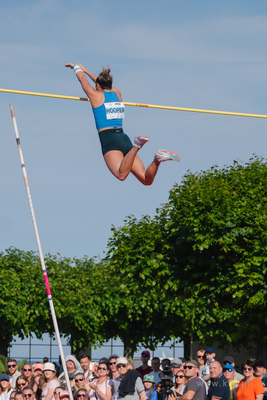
x,y
49,295
56,96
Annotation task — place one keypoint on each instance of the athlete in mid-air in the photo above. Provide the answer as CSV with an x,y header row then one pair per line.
x,y
119,153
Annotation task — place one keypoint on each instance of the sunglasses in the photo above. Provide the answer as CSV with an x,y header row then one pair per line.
x,y
179,376
104,368
11,365
79,379
22,384
228,370
247,369
27,369
188,366
112,363
81,395
200,356
121,366
27,394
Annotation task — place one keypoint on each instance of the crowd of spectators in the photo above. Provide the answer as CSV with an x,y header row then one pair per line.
x,y
115,378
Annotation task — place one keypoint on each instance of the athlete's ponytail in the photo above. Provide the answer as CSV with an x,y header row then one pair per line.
x,y
104,79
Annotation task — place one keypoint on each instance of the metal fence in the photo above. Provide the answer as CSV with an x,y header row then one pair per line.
x,y
34,349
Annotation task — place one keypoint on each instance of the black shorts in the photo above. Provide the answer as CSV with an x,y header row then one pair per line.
x,y
115,139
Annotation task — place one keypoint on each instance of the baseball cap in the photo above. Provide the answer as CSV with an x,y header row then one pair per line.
x,y
194,362
210,350
228,367
121,360
149,378
4,377
145,353
228,359
176,362
64,393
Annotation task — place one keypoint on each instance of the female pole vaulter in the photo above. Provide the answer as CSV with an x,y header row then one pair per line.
x,y
119,153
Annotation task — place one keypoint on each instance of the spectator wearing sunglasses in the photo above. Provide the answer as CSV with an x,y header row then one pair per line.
x,y
73,366
229,373
101,388
179,385
144,369
251,387
27,370
13,371
112,365
129,385
81,382
195,387
81,394
230,360
21,382
201,359
28,393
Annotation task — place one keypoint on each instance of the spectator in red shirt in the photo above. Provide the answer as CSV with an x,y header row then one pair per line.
x,y
144,369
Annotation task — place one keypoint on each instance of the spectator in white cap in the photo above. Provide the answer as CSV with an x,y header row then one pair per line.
x,y
144,369
49,381
128,385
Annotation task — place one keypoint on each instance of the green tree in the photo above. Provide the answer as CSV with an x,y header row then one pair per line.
x,y
199,266
23,307
141,286
78,289
216,229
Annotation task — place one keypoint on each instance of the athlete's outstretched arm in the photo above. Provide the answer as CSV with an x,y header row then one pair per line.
x,y
87,87
86,71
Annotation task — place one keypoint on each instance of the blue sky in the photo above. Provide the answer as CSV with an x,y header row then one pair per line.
x,y
197,54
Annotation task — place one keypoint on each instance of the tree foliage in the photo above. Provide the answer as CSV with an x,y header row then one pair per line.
x,y
198,267
215,224
77,296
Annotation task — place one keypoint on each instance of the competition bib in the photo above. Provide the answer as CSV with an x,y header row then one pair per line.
x,y
114,110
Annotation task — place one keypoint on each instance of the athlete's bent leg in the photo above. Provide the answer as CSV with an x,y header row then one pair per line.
x,y
145,176
120,165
